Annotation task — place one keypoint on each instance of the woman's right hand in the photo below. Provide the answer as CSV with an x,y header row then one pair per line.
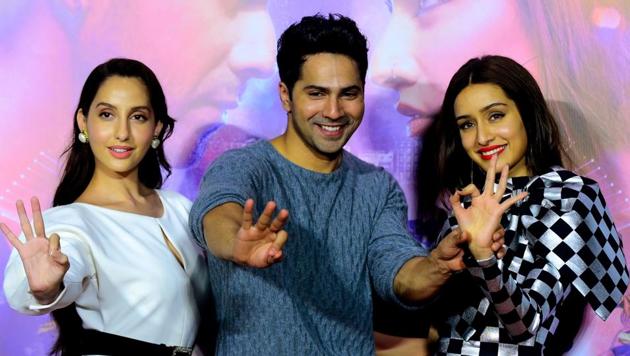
x,y
482,219
41,256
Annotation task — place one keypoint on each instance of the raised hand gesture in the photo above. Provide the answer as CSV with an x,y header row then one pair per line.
x,y
260,244
483,217
41,256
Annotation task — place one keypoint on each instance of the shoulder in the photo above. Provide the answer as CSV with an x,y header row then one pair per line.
x,y
74,219
367,170
174,199
252,151
70,214
566,191
565,184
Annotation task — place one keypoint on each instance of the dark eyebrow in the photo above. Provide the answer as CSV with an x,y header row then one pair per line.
x,y
350,88
488,107
135,108
327,90
484,109
315,87
138,108
102,103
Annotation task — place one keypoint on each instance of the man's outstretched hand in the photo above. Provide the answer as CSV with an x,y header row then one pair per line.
x,y
260,245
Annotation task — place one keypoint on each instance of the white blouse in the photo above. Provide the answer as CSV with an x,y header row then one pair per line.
x,y
123,277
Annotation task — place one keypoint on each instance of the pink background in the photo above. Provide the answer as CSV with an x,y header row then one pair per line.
x,y
216,61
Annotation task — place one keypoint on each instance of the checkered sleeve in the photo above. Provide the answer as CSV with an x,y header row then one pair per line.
x,y
569,225
521,304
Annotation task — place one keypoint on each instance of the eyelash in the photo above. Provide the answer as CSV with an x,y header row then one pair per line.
x,y
465,125
496,116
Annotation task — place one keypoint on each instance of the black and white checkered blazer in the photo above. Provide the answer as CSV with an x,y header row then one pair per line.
x,y
561,243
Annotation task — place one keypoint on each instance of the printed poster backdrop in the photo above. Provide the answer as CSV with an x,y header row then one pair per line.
x,y
216,61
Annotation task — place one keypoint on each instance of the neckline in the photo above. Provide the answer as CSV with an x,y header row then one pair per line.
x,y
157,191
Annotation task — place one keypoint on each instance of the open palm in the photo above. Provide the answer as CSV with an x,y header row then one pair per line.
x,y
43,261
482,218
260,245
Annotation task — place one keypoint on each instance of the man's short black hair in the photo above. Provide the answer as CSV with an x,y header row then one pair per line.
x,y
335,34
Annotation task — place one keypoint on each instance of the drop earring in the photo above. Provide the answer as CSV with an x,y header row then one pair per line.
x,y
83,137
155,143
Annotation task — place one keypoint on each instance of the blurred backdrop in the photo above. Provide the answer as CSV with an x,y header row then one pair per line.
x,y
216,61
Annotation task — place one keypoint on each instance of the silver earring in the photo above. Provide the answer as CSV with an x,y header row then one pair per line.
x,y
83,137
155,143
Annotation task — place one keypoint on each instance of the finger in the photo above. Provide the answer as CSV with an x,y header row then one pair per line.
x,y
38,220
511,201
464,237
55,250
274,256
61,259
498,236
53,244
471,190
24,222
489,184
247,214
13,240
502,183
265,218
502,251
278,223
456,237
281,239
455,201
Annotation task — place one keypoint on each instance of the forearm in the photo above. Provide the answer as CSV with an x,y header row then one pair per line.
x,y
521,307
220,226
420,278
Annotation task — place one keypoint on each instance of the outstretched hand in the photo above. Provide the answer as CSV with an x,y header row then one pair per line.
x,y
260,244
483,217
449,253
43,261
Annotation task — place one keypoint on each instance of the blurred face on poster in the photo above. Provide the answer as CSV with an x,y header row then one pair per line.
x,y
203,52
425,41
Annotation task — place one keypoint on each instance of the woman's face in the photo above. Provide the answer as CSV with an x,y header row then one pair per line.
x,y
203,52
489,123
425,42
120,126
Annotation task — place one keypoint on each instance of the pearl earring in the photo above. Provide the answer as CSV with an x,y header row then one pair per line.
x,y
155,143
83,137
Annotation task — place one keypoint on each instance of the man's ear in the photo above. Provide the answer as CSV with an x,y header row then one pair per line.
x,y
285,97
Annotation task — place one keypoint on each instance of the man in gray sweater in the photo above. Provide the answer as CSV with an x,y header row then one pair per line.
x,y
302,285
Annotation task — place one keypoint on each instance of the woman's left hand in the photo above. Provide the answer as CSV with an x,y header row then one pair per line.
x,y
482,218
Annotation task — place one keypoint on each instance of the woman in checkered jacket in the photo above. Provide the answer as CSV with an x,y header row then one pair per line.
x,y
562,249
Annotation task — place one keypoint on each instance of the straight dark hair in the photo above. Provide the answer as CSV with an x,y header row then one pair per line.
x,y
444,165
335,34
80,164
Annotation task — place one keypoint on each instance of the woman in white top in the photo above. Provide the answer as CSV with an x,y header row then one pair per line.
x,y
113,261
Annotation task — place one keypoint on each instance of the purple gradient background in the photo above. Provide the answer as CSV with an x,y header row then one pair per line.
x,y
216,61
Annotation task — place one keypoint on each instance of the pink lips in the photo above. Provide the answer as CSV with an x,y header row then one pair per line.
x,y
487,152
120,152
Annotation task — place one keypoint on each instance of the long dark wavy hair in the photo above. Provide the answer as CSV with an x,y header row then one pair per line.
x,y
444,165
79,168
